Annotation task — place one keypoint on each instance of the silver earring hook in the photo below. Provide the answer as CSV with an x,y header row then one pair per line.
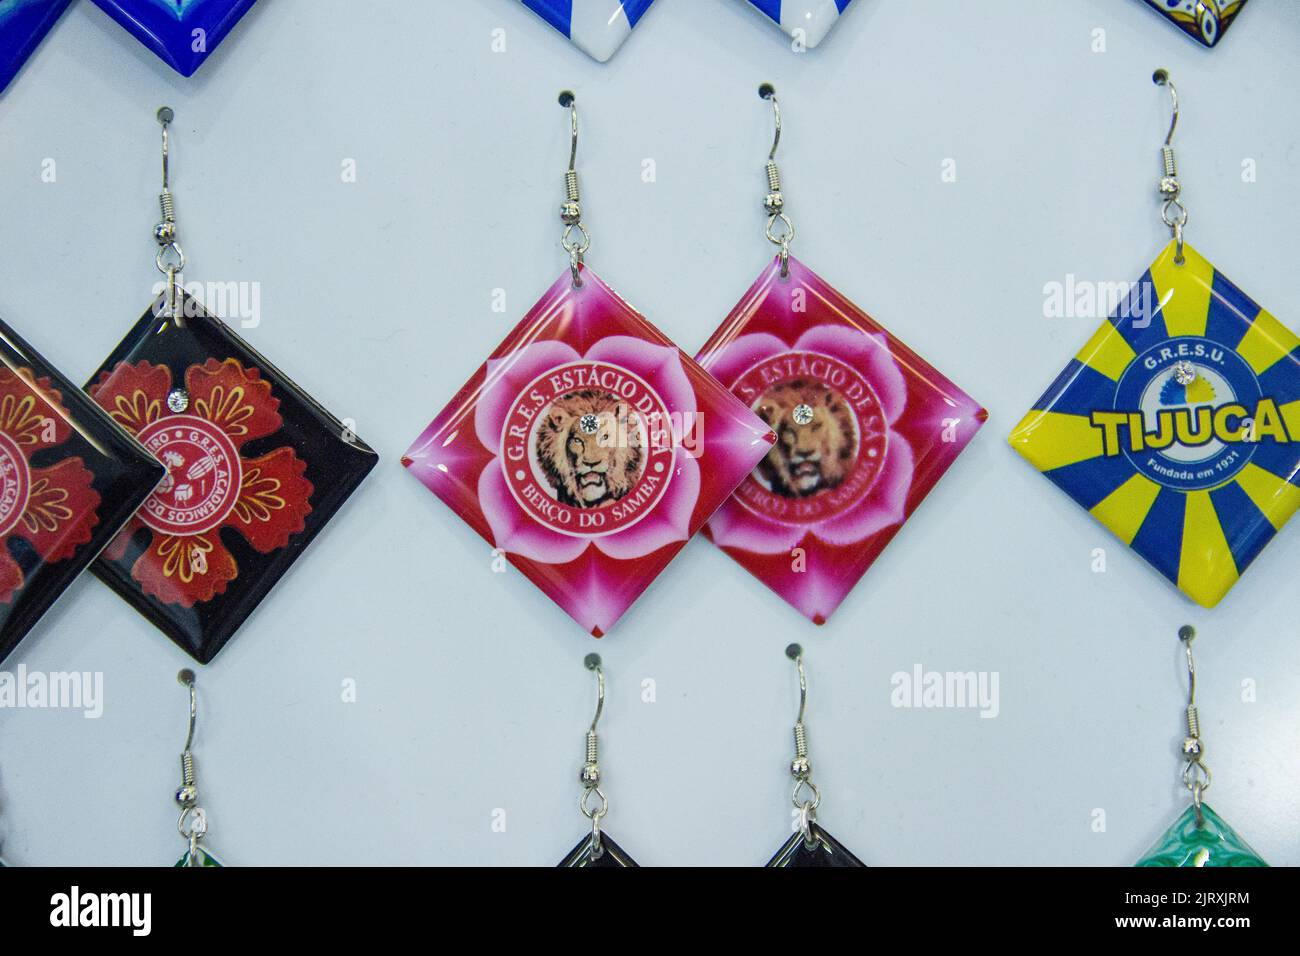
x,y
165,116
768,92
590,775
193,822
1196,775
576,240
186,679
570,102
774,201
1173,213
592,663
795,653
171,258
1161,78
1187,634
805,796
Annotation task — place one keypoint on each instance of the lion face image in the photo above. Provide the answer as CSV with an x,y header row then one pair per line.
x,y
591,447
814,456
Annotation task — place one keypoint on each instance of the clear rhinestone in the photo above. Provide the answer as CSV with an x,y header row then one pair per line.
x,y
1184,373
802,414
178,400
589,423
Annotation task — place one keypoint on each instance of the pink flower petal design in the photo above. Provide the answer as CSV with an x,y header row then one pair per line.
x,y
507,377
734,359
514,531
657,364
870,354
735,526
670,520
884,506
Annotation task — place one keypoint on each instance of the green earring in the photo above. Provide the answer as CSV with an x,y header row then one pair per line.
x,y
1199,837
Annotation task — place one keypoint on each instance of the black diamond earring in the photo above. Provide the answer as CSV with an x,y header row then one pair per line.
x,y
596,849
810,845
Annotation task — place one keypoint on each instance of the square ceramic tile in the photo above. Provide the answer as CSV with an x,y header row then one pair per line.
x,y
597,27
255,469
587,450
805,20
69,480
23,24
1177,426
183,33
865,429
1205,21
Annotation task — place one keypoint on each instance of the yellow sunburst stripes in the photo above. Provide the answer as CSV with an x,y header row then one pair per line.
x,y
1107,352
1053,439
1267,342
1125,508
1183,291
1206,568
1276,497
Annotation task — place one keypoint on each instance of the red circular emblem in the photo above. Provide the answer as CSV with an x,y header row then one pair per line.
x,y
587,449
831,437
15,483
203,475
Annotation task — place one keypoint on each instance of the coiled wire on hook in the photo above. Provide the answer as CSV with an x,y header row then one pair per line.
x,y
780,230
1173,212
575,240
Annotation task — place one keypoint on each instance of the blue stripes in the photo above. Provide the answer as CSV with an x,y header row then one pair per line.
x,y
634,10
598,27
1231,313
1091,482
1139,318
809,20
1244,525
1078,390
1281,380
558,13
1160,539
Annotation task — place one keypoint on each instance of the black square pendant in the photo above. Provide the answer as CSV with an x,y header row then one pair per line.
x,y
612,855
69,479
824,851
255,468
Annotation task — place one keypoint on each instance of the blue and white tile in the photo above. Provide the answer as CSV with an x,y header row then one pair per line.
x,y
597,27
807,21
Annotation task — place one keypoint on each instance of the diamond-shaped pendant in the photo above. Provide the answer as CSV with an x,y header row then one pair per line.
x,y
255,468
1178,426
1203,20
865,428
183,33
824,851
588,449
23,25
1212,843
597,27
69,479
611,855
204,859
807,21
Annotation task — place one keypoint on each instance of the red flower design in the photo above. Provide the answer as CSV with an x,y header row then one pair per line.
x,y
52,508
198,434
